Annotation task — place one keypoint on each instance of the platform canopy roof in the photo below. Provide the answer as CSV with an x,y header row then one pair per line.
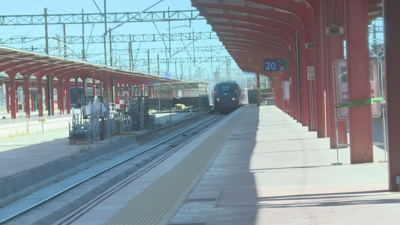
x,y
182,85
252,30
16,61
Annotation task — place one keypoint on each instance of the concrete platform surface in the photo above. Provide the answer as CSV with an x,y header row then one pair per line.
x,y
273,171
270,170
6,117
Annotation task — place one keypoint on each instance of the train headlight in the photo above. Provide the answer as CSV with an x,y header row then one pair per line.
x,y
217,99
233,99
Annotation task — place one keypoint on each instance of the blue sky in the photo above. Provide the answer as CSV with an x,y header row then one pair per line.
x,y
36,7
29,7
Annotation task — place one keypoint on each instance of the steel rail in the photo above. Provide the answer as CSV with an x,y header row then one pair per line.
x,y
8,219
75,215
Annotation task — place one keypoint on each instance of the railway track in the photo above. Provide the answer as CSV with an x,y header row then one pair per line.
x,y
206,124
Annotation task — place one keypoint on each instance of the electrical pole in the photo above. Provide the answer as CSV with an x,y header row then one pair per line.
x,y
65,41
176,70
148,61
46,28
83,36
168,65
111,50
105,33
48,97
158,64
211,62
194,52
130,53
166,57
181,70
190,73
112,89
228,68
59,46
169,31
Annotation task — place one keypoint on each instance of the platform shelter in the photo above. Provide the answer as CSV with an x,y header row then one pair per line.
x,y
309,35
43,77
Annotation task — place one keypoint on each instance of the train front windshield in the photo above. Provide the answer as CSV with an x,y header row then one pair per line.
x,y
225,90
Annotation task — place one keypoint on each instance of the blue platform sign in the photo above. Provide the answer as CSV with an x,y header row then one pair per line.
x,y
168,75
275,64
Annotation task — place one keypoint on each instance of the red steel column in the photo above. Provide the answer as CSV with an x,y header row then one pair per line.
x,y
60,93
25,87
101,87
107,86
287,102
40,96
33,103
2,90
16,99
290,75
94,86
276,87
273,86
258,85
309,62
52,94
391,18
280,89
295,86
320,75
68,95
328,67
130,90
46,102
116,92
76,94
358,80
59,99
303,83
12,95
62,88
8,97
84,86
334,50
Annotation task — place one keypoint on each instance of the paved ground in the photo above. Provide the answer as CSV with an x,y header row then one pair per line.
x,y
5,118
270,170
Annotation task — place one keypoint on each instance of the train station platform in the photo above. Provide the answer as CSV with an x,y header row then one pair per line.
x,y
256,166
34,150
12,128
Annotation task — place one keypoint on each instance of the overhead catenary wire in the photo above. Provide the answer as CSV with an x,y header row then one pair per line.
x,y
134,17
87,47
93,47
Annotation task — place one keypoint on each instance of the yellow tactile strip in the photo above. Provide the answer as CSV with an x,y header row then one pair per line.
x,y
151,205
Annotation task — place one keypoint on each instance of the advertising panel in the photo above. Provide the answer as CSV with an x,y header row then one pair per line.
x,y
342,88
286,90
